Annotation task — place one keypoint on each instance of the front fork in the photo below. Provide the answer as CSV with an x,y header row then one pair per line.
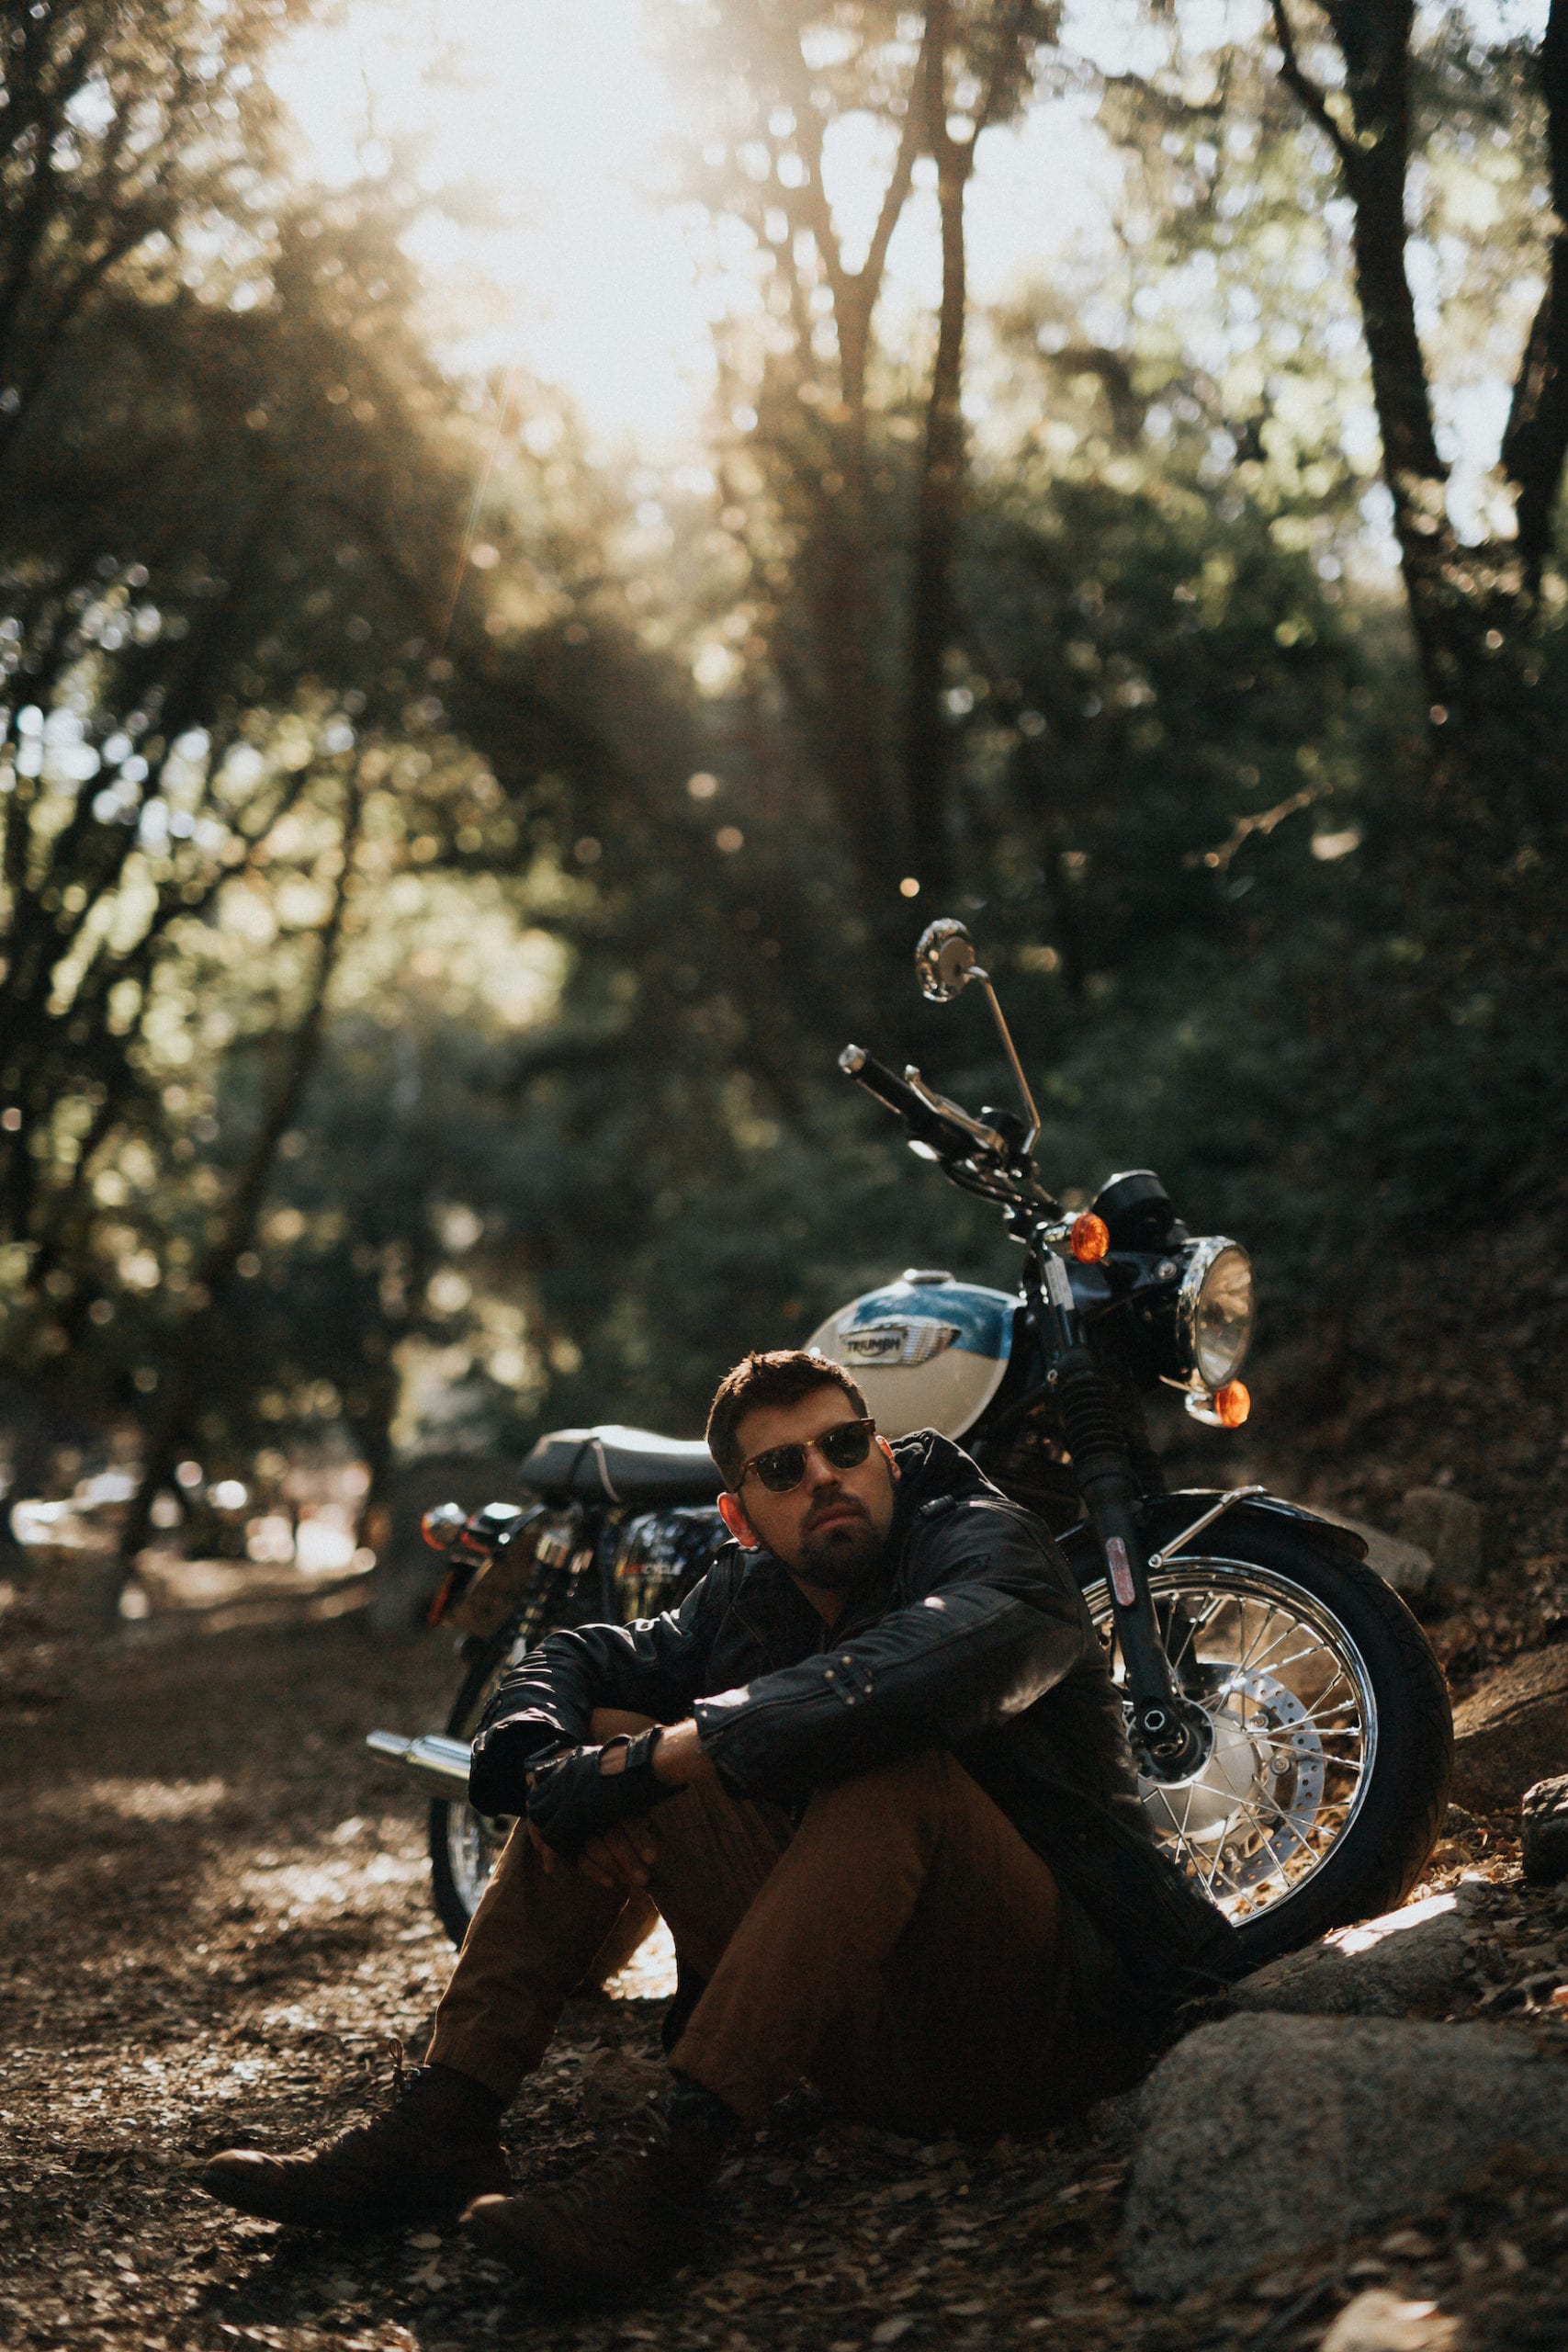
x,y
1170,1730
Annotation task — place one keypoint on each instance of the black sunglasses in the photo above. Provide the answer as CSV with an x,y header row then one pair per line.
x,y
781,1468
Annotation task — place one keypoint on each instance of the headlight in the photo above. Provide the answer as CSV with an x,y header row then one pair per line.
x,y
1215,1310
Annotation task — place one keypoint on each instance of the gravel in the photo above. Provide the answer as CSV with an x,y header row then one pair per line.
x,y
217,1929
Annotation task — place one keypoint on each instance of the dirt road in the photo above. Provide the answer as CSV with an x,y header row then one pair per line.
x,y
215,1928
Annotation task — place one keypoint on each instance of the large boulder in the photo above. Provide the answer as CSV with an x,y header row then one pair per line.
x,y
1512,1731
1452,1529
1406,1567
1267,2136
406,1571
1543,1831
1408,1963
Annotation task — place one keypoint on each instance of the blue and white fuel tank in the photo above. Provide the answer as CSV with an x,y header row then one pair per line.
x,y
927,1353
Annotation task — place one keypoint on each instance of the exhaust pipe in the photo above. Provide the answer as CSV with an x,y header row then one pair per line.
x,y
437,1765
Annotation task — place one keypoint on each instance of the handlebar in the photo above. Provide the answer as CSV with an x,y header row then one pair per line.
x,y
926,1125
884,1083
964,1151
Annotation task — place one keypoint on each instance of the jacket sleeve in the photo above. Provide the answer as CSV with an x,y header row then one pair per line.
x,y
654,1668
997,1621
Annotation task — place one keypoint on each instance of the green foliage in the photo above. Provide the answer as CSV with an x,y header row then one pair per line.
x,y
433,914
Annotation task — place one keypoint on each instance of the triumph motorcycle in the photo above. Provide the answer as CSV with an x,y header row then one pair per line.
x,y
1290,1726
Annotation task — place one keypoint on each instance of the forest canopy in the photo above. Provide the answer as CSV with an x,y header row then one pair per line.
x,y
442,858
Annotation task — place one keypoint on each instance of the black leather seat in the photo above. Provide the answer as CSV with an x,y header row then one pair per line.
x,y
620,1466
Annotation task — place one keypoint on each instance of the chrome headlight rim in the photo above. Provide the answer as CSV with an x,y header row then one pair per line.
x,y
1201,1265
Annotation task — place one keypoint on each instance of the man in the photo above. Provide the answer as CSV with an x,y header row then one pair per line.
x,y
873,1772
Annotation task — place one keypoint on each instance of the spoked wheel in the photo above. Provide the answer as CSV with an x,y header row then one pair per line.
x,y
1327,1773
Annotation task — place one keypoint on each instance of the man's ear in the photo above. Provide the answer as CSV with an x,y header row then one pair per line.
x,y
892,1464
732,1510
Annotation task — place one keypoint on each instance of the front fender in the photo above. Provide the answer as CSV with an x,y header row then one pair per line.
x,y
1162,1518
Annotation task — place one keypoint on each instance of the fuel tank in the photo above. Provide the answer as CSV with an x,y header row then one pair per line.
x,y
927,1353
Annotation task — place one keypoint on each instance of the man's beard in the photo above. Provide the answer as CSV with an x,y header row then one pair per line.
x,y
840,1557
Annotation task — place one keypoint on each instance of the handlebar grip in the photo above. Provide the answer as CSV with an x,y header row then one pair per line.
x,y
928,1126
884,1083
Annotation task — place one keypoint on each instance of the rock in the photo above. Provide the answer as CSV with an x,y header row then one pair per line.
x,y
1452,1528
1268,2136
1410,1963
1512,1731
1406,1567
1543,1831
406,1571
1114,2122
1379,2321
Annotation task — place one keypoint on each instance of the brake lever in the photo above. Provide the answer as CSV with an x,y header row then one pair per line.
x,y
986,1137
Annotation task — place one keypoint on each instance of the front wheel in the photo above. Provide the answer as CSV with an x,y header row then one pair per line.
x,y
1328,1774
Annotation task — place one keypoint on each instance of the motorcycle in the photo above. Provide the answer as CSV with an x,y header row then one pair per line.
x,y
1290,1726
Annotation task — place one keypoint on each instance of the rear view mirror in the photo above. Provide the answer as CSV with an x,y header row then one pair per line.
x,y
944,959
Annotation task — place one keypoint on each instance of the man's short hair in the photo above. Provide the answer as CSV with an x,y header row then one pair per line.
x,y
768,1376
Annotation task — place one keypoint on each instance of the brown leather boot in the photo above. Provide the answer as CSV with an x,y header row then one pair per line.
x,y
437,2146
626,2220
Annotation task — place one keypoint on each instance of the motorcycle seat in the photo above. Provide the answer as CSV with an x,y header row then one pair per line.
x,y
610,1464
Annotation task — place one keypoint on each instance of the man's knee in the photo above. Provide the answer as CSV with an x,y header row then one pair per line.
x,y
928,1780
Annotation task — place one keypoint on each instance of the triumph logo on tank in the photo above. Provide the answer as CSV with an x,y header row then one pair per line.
x,y
910,1342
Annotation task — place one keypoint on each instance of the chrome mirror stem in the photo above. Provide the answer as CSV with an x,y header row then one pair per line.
x,y
1012,1052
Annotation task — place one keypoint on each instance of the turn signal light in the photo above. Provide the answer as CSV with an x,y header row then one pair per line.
x,y
442,1525
1232,1404
1089,1239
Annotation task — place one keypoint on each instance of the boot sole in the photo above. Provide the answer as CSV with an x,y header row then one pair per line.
x,y
566,2290
300,2215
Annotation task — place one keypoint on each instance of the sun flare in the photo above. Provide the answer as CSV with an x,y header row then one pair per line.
x,y
573,257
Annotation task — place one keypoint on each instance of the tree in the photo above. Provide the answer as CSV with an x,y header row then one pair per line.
x,y
974,72
125,130
1461,595
821,484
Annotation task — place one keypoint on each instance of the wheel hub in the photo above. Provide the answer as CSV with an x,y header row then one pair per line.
x,y
1208,1800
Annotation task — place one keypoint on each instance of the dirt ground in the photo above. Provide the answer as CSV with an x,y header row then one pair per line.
x,y
217,1930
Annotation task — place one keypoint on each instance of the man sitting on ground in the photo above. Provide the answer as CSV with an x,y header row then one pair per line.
x,y
874,1775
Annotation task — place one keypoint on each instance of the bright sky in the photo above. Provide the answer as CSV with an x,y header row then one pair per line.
x,y
555,115
555,112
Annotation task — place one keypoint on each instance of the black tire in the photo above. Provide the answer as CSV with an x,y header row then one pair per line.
x,y
461,1839
1368,1864
453,1826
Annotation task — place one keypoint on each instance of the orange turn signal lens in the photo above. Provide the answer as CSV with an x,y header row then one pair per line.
x,y
442,1525
1232,1404
1089,1239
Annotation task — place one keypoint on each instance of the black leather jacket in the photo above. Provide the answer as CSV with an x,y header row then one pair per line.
x,y
973,1638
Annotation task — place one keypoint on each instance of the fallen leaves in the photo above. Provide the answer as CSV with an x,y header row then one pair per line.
x,y
178,1975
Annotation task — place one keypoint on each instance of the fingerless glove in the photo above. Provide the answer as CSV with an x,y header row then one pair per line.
x,y
572,1802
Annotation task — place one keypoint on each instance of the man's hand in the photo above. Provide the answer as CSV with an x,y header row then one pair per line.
x,y
622,1854
620,1860
592,1799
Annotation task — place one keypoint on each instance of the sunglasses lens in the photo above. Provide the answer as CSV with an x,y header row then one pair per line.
x,y
781,1468
845,1448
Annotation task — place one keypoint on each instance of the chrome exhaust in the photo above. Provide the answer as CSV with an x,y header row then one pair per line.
x,y
437,1765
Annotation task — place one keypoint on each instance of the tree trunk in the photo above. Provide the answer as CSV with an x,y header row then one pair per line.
x,y
1415,472
1536,441
926,736
189,1345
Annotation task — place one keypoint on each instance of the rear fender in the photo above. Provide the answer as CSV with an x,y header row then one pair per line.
x,y
1163,1517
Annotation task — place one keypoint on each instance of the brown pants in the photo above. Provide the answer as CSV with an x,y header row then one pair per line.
x,y
903,1948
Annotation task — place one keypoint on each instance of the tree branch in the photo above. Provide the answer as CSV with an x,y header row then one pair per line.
x,y
1311,95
